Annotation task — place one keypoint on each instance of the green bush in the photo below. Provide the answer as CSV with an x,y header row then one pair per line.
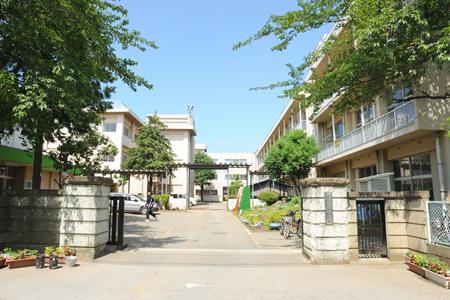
x,y
294,200
163,200
268,197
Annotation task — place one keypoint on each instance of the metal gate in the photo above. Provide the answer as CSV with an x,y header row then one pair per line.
x,y
371,227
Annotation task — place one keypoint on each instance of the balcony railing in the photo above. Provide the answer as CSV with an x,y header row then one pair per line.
x,y
398,118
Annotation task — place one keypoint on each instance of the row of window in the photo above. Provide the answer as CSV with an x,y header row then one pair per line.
x,y
412,173
232,176
112,127
367,113
236,161
206,192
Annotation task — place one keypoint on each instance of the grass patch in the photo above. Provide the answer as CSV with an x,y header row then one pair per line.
x,y
270,214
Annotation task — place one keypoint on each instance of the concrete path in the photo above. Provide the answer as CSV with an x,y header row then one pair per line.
x,y
208,254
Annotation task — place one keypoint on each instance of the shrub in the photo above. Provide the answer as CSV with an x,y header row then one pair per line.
x,y
268,197
294,200
164,201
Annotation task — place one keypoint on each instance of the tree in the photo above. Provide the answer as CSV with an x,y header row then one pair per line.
x,y
82,153
292,156
203,177
234,187
153,150
382,43
57,67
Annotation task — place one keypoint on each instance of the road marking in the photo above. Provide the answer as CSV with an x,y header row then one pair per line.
x,y
218,251
197,285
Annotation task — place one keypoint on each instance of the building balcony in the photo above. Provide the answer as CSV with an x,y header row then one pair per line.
x,y
398,122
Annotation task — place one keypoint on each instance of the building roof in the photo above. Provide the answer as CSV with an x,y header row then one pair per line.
x,y
120,108
23,157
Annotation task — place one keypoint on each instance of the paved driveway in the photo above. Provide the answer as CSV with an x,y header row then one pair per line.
x,y
208,254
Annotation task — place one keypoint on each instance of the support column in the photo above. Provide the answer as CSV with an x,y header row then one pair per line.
x,y
333,128
325,220
440,166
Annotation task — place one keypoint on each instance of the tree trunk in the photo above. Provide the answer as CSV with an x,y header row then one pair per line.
x,y
296,186
150,184
37,163
201,192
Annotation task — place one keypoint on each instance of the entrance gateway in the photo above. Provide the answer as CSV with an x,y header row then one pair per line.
x,y
371,227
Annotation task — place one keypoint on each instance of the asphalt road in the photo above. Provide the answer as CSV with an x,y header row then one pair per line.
x,y
208,254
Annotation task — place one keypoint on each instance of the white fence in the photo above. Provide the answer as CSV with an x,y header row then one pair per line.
x,y
398,118
439,222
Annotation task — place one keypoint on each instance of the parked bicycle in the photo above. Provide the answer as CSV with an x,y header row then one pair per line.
x,y
290,224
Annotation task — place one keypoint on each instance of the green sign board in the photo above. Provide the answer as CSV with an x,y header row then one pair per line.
x,y
245,199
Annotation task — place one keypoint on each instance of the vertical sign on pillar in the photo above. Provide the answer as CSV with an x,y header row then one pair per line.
x,y
328,208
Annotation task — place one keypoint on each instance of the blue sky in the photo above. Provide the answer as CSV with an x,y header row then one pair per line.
x,y
195,65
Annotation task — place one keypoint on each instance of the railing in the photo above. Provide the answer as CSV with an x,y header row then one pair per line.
x,y
398,118
376,183
439,222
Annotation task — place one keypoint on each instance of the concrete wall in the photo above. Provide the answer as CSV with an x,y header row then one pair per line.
x,y
406,222
77,216
4,214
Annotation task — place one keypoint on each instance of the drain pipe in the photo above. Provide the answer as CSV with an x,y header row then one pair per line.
x,y
440,165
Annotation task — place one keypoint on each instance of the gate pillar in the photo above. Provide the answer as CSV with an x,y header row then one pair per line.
x,y
325,220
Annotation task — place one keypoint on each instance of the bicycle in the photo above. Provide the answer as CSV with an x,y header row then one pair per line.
x,y
290,224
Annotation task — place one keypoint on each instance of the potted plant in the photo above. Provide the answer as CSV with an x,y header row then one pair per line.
x,y
70,256
417,264
20,258
438,272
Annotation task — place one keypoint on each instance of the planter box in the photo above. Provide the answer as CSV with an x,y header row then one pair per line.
x,y
439,279
2,262
20,263
416,269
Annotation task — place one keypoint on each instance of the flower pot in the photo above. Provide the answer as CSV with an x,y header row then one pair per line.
x,y
71,261
416,269
23,262
439,279
40,261
53,262
2,262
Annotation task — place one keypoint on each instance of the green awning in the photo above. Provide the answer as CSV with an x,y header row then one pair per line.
x,y
23,157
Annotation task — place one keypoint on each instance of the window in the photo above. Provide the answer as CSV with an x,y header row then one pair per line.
x,y
398,95
108,158
238,177
124,157
339,129
367,171
109,127
413,173
126,132
366,111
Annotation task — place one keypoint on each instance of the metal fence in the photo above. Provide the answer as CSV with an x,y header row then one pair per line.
x,y
439,222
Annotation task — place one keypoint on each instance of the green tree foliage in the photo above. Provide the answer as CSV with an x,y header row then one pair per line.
x,y
382,43
234,187
83,153
153,150
292,156
203,177
58,64
268,197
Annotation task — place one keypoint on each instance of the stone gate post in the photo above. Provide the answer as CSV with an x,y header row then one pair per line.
x,y
325,220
